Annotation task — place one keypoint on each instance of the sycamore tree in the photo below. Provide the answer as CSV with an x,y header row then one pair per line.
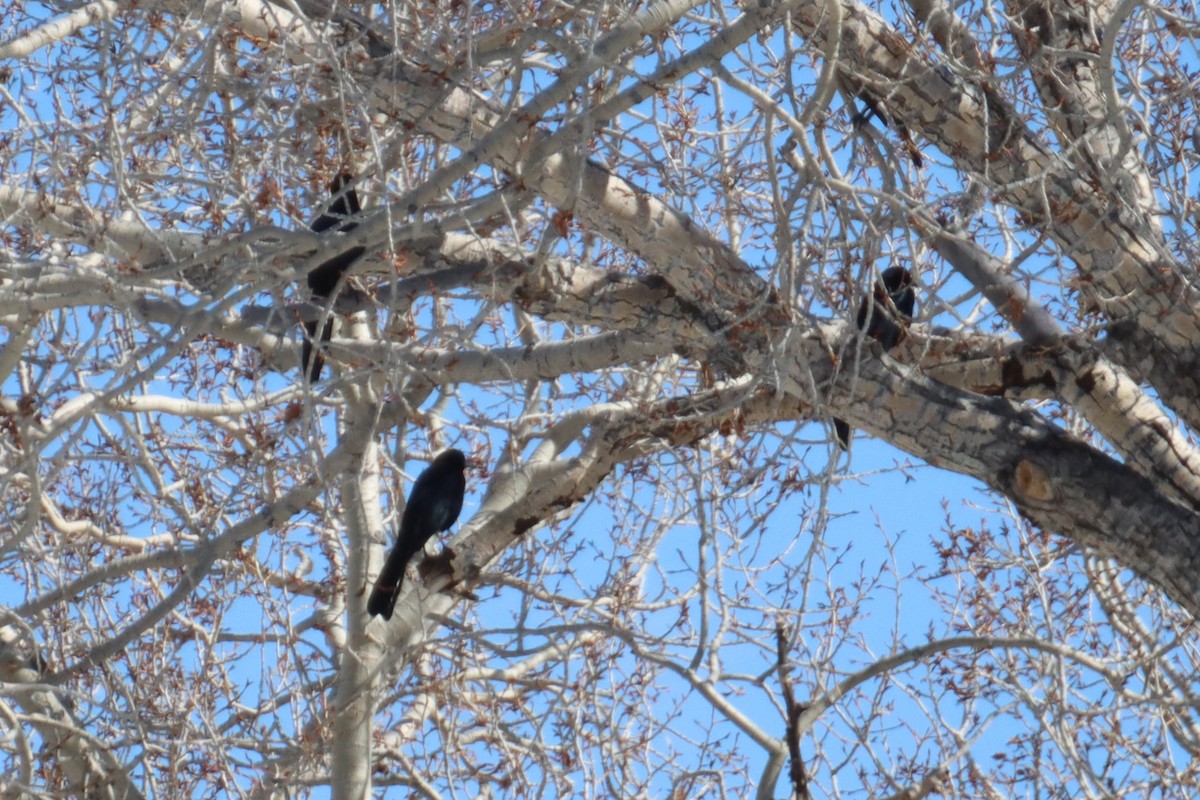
x,y
616,253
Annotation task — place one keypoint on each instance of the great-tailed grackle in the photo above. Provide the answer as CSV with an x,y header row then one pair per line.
x,y
890,306
861,118
323,280
433,505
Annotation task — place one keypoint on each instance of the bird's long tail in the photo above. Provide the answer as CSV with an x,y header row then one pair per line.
x,y
311,360
382,601
842,429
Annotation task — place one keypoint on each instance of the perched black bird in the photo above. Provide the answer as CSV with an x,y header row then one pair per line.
x,y
324,279
433,505
889,307
861,118
894,290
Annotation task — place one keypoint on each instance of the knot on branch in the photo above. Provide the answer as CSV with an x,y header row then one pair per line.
x,y
1033,482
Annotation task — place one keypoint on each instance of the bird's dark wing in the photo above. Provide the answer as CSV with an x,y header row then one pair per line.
x,y
905,301
899,285
439,492
446,501
892,301
323,280
433,506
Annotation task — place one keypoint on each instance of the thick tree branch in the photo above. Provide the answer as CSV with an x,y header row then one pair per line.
x,y
1126,270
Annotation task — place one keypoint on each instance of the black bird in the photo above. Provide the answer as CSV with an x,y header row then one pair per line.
x,y
861,118
323,280
889,307
433,505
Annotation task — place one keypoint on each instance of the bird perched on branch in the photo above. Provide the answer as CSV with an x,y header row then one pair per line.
x,y
883,315
874,106
433,505
323,280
